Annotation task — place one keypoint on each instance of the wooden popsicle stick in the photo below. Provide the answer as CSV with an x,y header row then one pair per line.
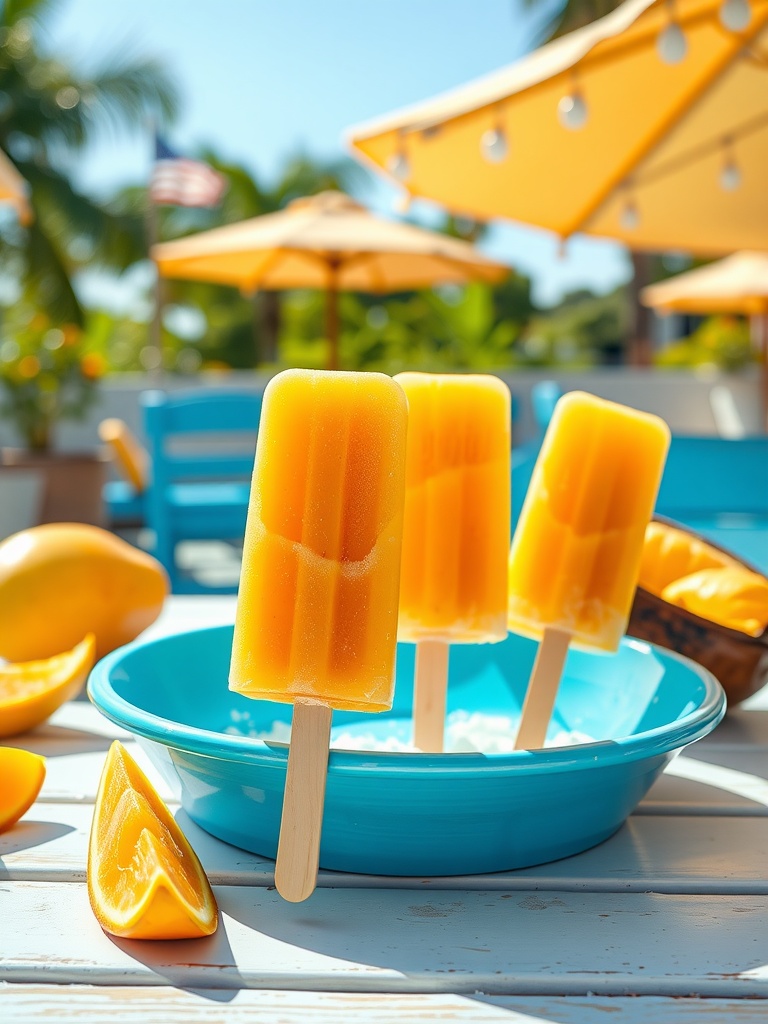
x,y
430,683
298,848
542,689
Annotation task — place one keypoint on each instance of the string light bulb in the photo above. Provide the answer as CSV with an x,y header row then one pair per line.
x,y
730,176
730,172
399,166
572,111
735,15
494,145
630,216
671,44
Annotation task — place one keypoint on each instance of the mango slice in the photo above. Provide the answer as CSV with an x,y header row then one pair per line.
x,y
31,691
670,554
21,776
731,596
144,879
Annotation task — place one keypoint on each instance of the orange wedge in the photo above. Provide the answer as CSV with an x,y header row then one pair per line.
x,y
21,776
30,691
144,879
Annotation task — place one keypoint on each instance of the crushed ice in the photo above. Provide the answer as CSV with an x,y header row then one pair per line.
x,y
465,732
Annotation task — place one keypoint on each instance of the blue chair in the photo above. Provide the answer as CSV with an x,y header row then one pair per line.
x,y
124,497
719,487
545,395
523,460
123,503
202,448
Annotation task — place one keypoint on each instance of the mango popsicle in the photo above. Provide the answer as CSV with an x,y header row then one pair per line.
x,y
316,615
576,552
453,585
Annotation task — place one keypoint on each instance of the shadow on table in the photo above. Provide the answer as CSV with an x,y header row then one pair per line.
x,y
26,834
175,961
57,740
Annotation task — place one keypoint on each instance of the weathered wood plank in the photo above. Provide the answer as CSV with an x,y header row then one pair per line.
x,y
75,777
357,940
651,853
31,1004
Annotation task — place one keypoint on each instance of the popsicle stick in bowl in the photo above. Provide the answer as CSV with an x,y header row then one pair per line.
x,y
577,547
453,584
298,849
430,685
542,689
317,604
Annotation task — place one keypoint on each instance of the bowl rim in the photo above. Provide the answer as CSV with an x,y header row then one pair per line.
x,y
189,739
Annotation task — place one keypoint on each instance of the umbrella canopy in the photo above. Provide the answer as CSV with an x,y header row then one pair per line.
x,y
13,189
649,126
737,284
325,241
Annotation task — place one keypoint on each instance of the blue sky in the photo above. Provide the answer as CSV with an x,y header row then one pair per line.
x,y
263,79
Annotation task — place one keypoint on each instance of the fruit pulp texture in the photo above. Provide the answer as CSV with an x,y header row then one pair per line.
x,y
669,554
576,552
457,508
731,596
144,879
317,607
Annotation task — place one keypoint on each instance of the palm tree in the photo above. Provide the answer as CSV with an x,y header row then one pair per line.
x,y
48,113
570,15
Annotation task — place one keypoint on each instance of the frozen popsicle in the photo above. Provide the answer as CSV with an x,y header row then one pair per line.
x,y
576,552
453,586
316,618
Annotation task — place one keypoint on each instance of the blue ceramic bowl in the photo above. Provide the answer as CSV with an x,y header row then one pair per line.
x,y
413,813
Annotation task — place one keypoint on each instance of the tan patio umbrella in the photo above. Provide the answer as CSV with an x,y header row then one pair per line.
x,y
649,126
326,241
13,189
736,284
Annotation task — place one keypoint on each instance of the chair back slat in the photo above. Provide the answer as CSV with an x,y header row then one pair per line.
x,y
206,442
714,475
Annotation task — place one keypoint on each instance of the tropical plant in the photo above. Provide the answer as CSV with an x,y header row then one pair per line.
x,y
45,375
719,341
48,112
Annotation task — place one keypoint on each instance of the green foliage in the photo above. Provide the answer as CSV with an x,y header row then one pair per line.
x,y
720,341
46,374
448,329
583,330
48,111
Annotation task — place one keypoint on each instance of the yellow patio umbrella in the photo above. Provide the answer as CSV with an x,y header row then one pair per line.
x,y
326,241
13,189
649,126
737,284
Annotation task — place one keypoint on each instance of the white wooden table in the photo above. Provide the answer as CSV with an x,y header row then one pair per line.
x,y
667,921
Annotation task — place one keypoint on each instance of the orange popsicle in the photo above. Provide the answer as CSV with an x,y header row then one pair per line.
x,y
317,607
456,534
576,552
457,508
316,620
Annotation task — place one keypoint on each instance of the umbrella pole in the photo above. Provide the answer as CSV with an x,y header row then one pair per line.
x,y
332,317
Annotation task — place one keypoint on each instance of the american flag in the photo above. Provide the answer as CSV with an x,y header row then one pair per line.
x,y
177,181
